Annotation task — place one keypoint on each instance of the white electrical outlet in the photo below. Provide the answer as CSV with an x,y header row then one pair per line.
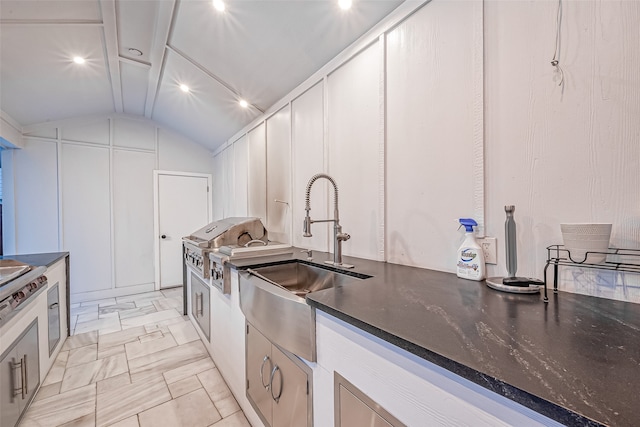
x,y
490,248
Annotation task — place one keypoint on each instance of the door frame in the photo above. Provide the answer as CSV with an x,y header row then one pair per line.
x,y
156,212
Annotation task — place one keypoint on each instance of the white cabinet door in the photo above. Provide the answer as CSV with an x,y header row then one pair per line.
x,y
183,206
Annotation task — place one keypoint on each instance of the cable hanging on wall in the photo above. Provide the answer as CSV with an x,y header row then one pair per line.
x,y
555,62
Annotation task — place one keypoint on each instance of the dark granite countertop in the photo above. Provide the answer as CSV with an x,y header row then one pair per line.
x,y
38,260
575,360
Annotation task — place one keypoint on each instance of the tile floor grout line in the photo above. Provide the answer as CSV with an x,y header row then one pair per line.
x,y
168,302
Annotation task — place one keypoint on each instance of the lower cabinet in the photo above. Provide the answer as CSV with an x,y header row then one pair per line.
x,y
354,408
278,383
19,376
200,294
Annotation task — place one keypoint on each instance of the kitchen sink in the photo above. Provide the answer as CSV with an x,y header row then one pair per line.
x,y
302,278
272,297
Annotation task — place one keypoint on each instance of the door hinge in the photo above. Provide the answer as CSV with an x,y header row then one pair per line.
x,y
247,384
247,329
207,188
307,387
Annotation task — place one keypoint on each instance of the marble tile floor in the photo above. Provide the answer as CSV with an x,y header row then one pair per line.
x,y
134,361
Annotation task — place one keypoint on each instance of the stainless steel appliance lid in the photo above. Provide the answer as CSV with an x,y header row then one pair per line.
x,y
229,231
11,269
15,285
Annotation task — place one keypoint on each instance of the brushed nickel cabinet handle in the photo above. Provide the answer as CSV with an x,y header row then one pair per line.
x,y
54,305
14,378
199,311
268,385
25,373
273,373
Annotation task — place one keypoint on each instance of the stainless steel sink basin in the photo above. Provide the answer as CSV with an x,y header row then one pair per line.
x,y
301,279
273,300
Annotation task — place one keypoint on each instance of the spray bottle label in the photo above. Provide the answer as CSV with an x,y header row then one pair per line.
x,y
466,264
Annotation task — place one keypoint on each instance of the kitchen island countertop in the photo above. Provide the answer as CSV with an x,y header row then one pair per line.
x,y
574,360
38,260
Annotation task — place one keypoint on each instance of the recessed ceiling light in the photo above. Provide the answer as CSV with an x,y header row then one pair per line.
x,y
135,52
243,103
345,4
219,5
184,88
79,60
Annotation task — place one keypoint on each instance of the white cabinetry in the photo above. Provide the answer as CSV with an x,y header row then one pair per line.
x,y
226,340
28,332
416,392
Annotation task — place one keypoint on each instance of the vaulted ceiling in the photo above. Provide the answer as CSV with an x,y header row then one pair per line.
x,y
139,52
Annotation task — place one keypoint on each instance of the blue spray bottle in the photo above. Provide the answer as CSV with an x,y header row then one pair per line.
x,y
470,258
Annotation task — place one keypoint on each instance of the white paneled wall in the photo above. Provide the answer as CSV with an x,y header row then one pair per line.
x,y
86,186
36,227
566,153
355,157
240,175
308,154
86,215
430,134
338,125
229,205
131,212
257,185
177,153
279,175
456,111
218,186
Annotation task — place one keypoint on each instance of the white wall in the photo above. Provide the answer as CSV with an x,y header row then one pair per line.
x,y
563,153
454,111
86,186
365,121
10,132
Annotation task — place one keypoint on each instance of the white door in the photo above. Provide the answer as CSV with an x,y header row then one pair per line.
x,y
183,205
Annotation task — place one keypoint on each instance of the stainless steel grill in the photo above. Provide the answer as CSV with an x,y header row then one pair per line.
x,y
208,249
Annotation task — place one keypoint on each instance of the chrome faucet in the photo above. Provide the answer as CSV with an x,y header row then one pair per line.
x,y
338,235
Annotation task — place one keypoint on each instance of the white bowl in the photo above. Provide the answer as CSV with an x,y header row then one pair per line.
x,y
580,238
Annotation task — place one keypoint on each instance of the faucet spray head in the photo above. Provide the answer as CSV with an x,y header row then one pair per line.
x,y
306,229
